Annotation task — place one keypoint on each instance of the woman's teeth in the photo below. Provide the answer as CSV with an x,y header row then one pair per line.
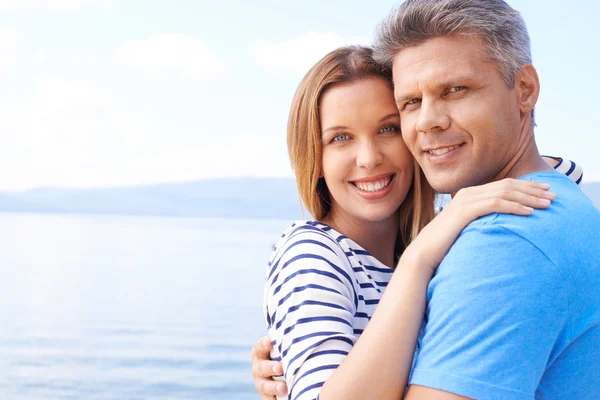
x,y
439,152
373,186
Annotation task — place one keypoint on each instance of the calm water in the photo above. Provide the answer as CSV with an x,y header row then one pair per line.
x,y
130,307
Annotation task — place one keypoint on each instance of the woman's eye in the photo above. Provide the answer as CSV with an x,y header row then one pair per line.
x,y
341,138
390,128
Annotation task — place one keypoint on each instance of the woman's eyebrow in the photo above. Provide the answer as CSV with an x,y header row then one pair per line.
x,y
335,128
388,117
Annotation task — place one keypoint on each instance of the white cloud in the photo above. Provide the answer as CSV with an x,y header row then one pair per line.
x,y
299,53
247,156
54,5
76,134
66,134
173,52
8,46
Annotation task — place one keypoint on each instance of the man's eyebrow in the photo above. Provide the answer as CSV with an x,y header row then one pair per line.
x,y
454,81
403,98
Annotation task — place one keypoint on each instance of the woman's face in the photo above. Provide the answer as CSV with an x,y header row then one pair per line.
x,y
366,165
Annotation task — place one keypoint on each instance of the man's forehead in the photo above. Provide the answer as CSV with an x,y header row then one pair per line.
x,y
433,64
434,75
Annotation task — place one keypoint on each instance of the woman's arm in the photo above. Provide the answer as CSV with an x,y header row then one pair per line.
x,y
379,364
310,299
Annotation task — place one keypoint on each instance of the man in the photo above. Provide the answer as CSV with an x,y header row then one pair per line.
x,y
514,309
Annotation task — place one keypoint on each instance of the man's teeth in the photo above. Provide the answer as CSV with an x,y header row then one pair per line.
x,y
373,186
439,152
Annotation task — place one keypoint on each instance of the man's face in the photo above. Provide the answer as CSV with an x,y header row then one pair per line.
x,y
459,118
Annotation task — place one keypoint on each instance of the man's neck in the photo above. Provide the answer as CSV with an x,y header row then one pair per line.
x,y
527,158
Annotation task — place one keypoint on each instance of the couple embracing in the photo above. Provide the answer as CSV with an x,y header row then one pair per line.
x,y
497,296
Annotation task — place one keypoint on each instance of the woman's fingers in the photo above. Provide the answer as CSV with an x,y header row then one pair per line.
x,y
529,187
515,202
262,349
497,205
266,369
268,388
524,198
528,193
263,369
508,196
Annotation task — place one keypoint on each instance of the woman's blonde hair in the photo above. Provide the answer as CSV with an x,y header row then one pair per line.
x,y
344,65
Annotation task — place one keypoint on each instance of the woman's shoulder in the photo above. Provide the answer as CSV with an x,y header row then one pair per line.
x,y
308,244
310,236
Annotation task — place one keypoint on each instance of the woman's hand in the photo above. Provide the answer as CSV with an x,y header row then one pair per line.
x,y
263,371
508,196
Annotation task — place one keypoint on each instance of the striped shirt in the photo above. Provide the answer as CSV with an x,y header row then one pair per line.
x,y
569,168
321,290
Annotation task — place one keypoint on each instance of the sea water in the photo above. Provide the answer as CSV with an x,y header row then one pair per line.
x,y
118,307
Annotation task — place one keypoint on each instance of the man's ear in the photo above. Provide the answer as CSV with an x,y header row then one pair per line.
x,y
527,84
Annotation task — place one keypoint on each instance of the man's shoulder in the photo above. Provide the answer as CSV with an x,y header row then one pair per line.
x,y
559,243
571,220
570,200
492,247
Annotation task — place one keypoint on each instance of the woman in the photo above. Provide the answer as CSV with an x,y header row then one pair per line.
x,y
370,200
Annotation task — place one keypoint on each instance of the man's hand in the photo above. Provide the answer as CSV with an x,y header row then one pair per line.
x,y
263,371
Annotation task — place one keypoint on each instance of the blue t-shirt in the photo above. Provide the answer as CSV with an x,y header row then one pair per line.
x,y
514,309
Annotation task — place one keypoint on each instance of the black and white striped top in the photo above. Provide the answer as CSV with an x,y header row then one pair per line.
x,y
321,290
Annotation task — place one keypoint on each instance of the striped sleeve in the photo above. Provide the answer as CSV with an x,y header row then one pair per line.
x,y
310,301
569,168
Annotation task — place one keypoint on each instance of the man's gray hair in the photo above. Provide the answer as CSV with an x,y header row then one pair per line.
x,y
499,27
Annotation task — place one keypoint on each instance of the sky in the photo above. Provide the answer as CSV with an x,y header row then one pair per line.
x,y
102,93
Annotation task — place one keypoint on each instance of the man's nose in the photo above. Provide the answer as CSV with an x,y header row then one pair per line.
x,y
432,117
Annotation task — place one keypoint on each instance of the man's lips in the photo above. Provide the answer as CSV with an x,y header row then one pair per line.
x,y
441,150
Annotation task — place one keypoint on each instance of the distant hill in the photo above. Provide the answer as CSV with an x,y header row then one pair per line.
x,y
221,198
237,198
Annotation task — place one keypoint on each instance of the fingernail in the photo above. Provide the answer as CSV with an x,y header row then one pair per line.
x,y
275,369
544,202
550,195
528,209
279,388
266,342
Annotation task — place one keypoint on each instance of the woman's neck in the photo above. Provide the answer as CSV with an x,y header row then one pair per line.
x,y
378,238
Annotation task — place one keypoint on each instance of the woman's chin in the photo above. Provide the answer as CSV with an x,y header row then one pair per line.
x,y
373,216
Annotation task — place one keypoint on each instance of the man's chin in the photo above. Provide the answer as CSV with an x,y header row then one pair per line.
x,y
446,183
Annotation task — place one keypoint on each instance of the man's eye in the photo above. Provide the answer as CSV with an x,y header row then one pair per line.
x,y
341,138
411,104
456,89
